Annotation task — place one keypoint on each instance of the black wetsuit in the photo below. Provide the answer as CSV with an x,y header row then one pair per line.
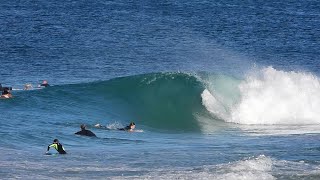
x,y
127,128
5,92
44,85
58,147
85,132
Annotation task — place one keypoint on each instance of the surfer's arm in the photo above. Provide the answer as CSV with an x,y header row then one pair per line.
x,y
51,145
48,149
6,96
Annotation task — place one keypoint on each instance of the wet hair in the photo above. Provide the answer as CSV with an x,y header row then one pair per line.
x,y
55,140
83,126
132,123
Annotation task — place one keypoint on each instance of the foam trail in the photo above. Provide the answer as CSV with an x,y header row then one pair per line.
x,y
255,168
277,97
252,168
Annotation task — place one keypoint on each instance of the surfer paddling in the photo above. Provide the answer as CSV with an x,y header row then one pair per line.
x,y
85,132
57,146
44,84
6,93
129,128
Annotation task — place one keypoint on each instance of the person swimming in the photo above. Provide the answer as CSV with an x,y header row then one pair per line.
x,y
57,146
44,84
130,127
85,132
6,93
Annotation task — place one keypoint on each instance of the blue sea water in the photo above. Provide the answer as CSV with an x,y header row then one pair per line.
x,y
217,89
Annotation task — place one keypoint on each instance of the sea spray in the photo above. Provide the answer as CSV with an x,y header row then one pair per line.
x,y
278,97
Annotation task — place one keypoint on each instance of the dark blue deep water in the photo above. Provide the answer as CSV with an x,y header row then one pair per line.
x,y
217,89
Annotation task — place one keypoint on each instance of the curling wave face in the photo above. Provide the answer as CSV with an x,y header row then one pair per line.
x,y
181,101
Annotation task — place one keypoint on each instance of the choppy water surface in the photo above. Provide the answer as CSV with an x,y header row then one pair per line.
x,y
218,90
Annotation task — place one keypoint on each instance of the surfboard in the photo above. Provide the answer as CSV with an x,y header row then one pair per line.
x,y
138,130
50,154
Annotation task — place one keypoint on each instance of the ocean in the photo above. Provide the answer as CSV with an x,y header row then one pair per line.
x,y
217,89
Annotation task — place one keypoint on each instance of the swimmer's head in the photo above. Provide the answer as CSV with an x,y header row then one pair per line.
x,y
6,90
44,82
132,125
83,126
56,141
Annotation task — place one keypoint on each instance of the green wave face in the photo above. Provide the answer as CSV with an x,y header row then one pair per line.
x,y
162,101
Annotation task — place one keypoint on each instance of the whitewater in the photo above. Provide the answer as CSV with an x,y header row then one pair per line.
x,y
268,96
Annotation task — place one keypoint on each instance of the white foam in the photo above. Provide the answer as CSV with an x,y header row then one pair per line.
x,y
258,168
253,168
278,97
270,96
114,125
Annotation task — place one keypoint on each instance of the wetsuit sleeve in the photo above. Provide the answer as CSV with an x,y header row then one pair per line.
x,y
55,146
51,145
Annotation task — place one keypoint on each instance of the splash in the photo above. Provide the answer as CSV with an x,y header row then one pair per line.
x,y
278,97
270,96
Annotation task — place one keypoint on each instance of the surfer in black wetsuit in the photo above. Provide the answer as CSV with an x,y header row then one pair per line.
x,y
6,93
130,127
44,84
56,145
85,132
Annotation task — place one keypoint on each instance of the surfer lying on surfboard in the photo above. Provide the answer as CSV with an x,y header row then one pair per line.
x,y
6,93
85,132
129,128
